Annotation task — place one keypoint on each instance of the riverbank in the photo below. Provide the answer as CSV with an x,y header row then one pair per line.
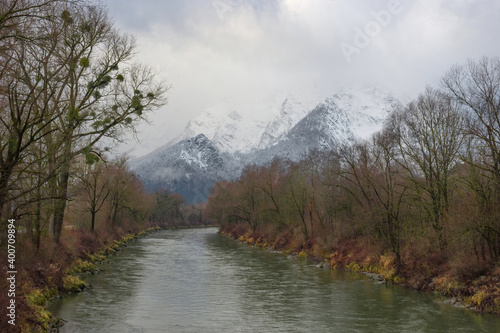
x,y
39,298
480,294
54,270
195,280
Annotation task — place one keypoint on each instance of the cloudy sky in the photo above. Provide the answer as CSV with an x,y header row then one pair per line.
x,y
241,51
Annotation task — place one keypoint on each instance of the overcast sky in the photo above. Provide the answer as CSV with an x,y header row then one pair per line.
x,y
241,51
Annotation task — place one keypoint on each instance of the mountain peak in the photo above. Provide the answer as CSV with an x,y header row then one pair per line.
x,y
200,151
291,112
230,130
219,143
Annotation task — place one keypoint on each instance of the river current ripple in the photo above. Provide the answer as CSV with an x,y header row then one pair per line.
x,y
195,280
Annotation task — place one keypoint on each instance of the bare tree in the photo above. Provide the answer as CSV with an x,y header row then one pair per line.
x,y
17,15
475,87
64,89
123,186
430,135
94,186
299,197
28,80
167,208
98,99
375,181
248,206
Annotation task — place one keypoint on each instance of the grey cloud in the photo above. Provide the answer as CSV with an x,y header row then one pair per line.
x,y
257,47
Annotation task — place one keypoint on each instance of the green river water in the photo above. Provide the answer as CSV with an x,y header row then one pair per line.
x,y
195,280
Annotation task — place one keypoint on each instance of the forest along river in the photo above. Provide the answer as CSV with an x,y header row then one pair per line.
x,y
195,280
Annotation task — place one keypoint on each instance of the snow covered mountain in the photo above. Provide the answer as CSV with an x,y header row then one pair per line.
x,y
230,130
291,112
218,144
190,167
347,116
249,127
366,109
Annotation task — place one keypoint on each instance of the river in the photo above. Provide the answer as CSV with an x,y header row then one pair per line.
x,y
195,280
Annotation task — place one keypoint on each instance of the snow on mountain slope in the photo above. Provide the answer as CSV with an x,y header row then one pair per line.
x,y
291,112
367,108
220,142
250,127
229,129
240,131
347,116
190,167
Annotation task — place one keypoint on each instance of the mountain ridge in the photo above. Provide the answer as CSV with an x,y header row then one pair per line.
x,y
192,165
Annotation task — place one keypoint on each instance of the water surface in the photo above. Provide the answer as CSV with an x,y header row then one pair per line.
x,y
194,280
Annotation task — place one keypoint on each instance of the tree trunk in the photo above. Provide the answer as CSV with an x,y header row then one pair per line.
x,y
38,227
4,181
93,213
60,204
115,214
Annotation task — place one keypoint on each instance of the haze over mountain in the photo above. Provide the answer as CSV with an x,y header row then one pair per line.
x,y
244,129
219,143
242,50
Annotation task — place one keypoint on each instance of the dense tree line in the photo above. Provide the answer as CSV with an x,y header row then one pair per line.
x,y
106,196
70,87
68,83
426,188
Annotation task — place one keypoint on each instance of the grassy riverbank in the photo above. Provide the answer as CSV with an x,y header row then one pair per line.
x,y
480,294
36,318
55,270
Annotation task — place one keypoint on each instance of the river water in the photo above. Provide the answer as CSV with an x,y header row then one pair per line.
x,y
195,280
